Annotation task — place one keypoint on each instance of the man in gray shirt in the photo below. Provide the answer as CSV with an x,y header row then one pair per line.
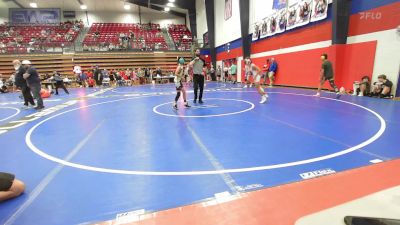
x,y
198,65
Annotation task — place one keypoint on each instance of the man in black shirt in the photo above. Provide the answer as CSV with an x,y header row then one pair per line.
x,y
10,187
33,80
98,76
198,64
326,75
59,82
20,82
385,87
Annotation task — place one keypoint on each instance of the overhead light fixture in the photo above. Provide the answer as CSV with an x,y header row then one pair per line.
x,y
127,7
166,9
169,4
33,4
171,0
83,7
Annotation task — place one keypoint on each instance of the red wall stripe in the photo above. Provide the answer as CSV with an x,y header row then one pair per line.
x,y
382,18
350,62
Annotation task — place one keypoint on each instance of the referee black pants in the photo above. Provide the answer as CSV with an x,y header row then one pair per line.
x,y
26,93
198,83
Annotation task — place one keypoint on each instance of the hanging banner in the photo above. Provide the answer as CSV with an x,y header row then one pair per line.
x,y
272,24
281,21
291,16
320,10
264,28
256,32
228,9
34,16
303,12
279,4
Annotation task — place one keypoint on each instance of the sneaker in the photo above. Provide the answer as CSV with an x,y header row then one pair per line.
x,y
39,107
201,101
175,106
317,95
195,101
245,86
187,105
264,99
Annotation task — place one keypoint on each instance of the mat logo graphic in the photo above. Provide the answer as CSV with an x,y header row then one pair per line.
x,y
249,187
129,217
317,173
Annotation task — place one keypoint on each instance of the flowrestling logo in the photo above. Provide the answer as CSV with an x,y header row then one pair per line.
x,y
316,173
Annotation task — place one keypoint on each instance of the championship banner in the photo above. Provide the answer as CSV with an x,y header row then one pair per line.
x,y
281,18
256,32
264,28
228,9
279,4
303,12
291,16
320,10
272,24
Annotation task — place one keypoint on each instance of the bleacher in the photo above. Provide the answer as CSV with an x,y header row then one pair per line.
x,y
121,36
181,36
38,38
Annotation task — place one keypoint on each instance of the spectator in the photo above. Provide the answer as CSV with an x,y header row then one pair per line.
x,y
91,82
3,87
32,78
10,187
383,87
233,71
265,71
272,71
362,88
21,83
59,82
219,72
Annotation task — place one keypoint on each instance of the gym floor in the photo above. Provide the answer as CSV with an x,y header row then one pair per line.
x,y
96,154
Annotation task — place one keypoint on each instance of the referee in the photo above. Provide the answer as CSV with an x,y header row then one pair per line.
x,y
198,76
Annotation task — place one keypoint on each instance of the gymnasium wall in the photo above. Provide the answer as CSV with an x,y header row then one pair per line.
x,y
372,49
121,17
201,18
117,17
226,30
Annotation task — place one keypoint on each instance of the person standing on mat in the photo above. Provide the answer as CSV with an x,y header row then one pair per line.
x,y
20,82
256,71
326,74
273,67
198,77
32,79
59,82
98,77
233,70
10,187
179,75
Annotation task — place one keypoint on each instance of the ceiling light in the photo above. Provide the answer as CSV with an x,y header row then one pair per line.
x,y
127,7
166,9
171,0
83,7
169,4
33,4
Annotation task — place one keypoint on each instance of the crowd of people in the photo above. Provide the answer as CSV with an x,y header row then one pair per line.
x,y
38,38
98,77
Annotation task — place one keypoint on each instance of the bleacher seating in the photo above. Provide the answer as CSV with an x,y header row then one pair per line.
x,y
23,39
111,36
181,36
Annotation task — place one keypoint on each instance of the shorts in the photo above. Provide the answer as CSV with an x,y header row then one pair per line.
x,y
178,85
6,181
271,74
248,75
